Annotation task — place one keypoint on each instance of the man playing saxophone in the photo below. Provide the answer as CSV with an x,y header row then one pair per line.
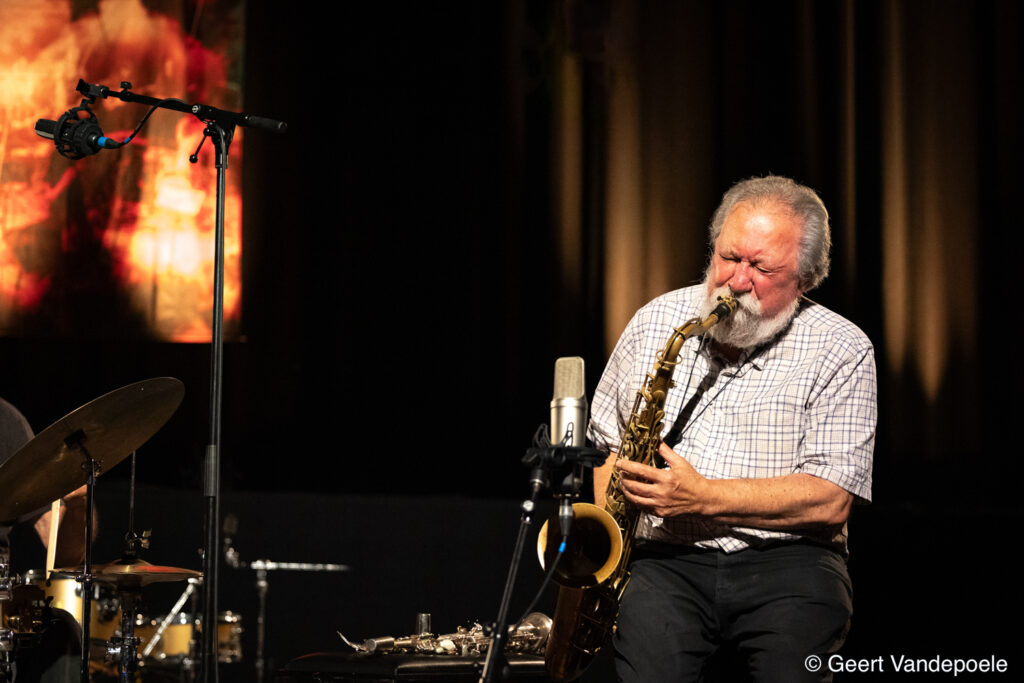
x,y
742,543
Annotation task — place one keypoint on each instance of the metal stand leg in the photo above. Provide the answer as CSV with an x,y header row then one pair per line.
x,y
261,588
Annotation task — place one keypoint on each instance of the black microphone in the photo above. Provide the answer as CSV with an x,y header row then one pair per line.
x,y
75,137
568,423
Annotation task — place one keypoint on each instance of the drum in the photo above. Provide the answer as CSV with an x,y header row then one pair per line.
x,y
178,642
66,594
174,644
229,637
21,611
37,642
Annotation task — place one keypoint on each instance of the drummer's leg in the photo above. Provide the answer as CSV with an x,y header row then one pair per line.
x,y
60,651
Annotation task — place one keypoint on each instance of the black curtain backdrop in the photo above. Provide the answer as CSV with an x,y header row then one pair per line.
x,y
405,299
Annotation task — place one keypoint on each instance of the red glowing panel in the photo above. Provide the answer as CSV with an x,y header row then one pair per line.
x,y
121,242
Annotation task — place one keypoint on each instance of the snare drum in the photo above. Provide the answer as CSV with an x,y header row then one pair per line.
x,y
66,594
178,640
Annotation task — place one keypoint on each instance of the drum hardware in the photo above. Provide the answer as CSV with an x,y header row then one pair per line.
x,y
6,648
66,594
151,643
262,569
6,634
177,641
5,583
26,615
128,577
73,452
123,648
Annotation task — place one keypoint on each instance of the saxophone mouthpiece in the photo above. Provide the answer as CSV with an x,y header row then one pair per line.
x,y
726,307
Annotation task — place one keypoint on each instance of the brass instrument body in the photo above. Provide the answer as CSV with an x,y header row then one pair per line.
x,y
591,587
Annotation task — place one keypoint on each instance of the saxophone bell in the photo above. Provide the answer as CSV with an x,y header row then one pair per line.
x,y
592,551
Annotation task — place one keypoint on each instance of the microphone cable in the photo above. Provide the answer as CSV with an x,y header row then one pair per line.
x,y
145,118
544,584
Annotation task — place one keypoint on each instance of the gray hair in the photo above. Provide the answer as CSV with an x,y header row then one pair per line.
x,y
803,202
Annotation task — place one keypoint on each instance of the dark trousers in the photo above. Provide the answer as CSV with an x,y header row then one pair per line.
x,y
770,608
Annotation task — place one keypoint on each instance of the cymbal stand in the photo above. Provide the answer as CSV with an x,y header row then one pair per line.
x,y
134,542
263,585
77,442
125,647
7,636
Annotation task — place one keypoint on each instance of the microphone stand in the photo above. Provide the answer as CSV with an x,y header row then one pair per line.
x,y
220,127
496,663
221,136
544,458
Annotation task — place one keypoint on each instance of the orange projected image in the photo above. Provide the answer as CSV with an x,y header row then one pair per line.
x,y
120,242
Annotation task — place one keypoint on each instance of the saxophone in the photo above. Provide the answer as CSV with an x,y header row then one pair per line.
x,y
594,568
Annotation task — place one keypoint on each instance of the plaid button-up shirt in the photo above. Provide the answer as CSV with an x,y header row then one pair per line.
x,y
805,402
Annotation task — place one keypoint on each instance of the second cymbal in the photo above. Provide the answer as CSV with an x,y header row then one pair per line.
x,y
130,574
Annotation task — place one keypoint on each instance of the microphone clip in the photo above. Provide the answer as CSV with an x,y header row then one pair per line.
x,y
74,128
561,463
92,90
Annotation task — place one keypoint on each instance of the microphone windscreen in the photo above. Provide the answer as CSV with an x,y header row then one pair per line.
x,y
46,128
569,378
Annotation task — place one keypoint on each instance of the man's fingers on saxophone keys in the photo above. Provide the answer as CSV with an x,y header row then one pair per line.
x,y
633,472
639,482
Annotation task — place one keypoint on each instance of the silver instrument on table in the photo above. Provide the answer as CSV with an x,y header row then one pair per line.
x,y
528,637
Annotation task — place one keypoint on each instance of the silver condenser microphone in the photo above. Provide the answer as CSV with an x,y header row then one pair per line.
x,y
569,404
569,422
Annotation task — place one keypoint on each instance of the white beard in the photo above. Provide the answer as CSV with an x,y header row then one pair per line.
x,y
746,327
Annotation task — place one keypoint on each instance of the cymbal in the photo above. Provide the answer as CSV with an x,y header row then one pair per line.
x,y
110,427
130,574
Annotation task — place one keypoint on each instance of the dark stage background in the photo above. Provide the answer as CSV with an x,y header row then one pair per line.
x,y
407,291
